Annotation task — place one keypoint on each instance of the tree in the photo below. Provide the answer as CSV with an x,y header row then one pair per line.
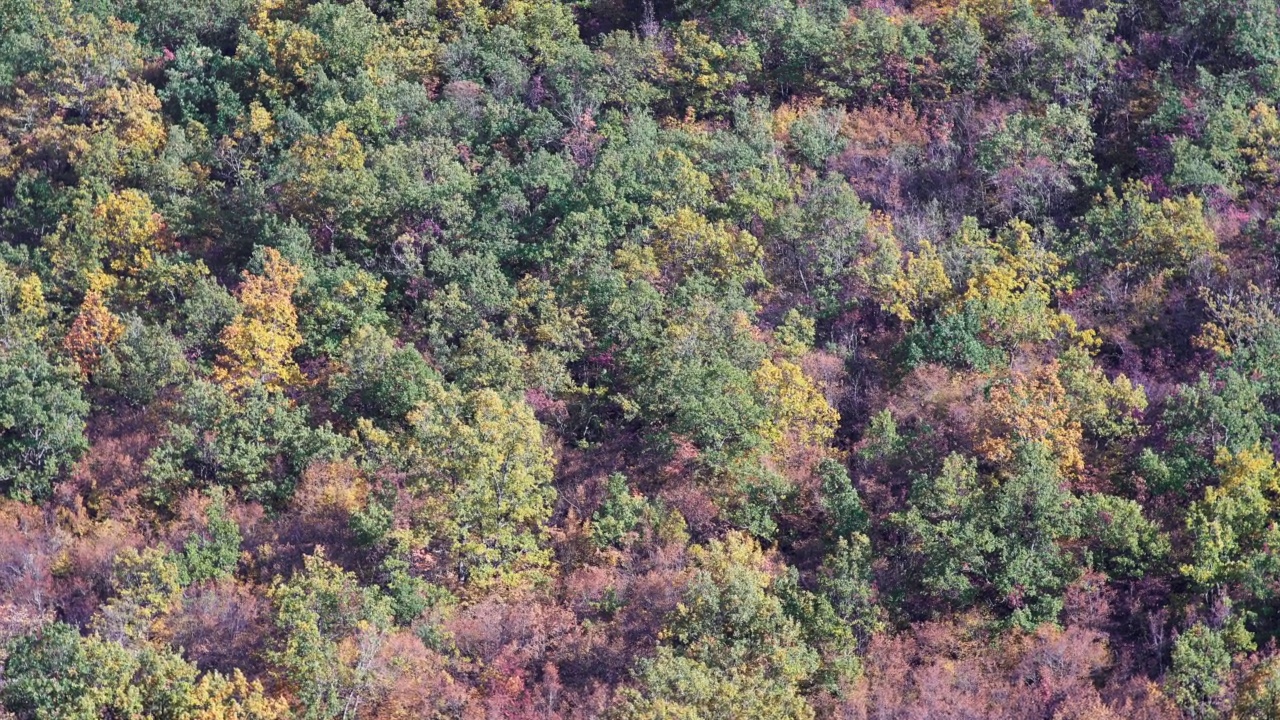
x,y
328,629
257,441
145,361
798,412
258,345
1233,527
486,471
685,242
1034,161
1007,543
1125,543
55,674
1139,237
215,553
733,650
93,333
1198,676
379,380
41,409
326,185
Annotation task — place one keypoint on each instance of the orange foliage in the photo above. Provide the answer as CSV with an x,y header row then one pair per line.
x,y
93,333
1033,407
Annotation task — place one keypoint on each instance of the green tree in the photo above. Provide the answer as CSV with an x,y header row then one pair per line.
x,y
327,628
733,651
1197,679
42,412
486,470
215,552
257,441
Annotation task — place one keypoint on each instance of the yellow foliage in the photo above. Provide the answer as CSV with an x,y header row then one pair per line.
x,y
1262,142
1172,233
335,488
31,297
923,282
1033,407
686,242
1233,521
1015,285
92,334
689,186
636,262
1016,265
337,151
261,123
881,267
328,177
217,697
702,68
1106,408
1213,337
89,102
799,411
131,230
903,282
1238,319
292,48
259,344
22,304
1250,466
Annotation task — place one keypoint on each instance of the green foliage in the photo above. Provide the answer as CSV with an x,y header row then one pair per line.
x,y
1134,234
847,516
880,284
147,360
49,674
55,674
380,380
257,442
1127,544
147,585
618,515
487,471
327,626
42,411
215,555
954,340
796,334
1233,527
1033,162
733,649
1005,543
1197,679
845,580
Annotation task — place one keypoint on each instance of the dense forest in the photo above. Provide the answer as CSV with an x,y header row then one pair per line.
x,y
680,360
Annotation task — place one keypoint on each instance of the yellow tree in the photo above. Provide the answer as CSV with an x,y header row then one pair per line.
x,y
121,235
1232,528
798,411
258,345
685,242
922,283
488,492
88,109
132,232
327,186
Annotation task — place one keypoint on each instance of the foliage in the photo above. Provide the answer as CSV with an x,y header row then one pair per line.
x,y
259,344
487,473
737,358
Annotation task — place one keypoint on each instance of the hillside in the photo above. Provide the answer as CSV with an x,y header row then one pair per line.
x,y
693,359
